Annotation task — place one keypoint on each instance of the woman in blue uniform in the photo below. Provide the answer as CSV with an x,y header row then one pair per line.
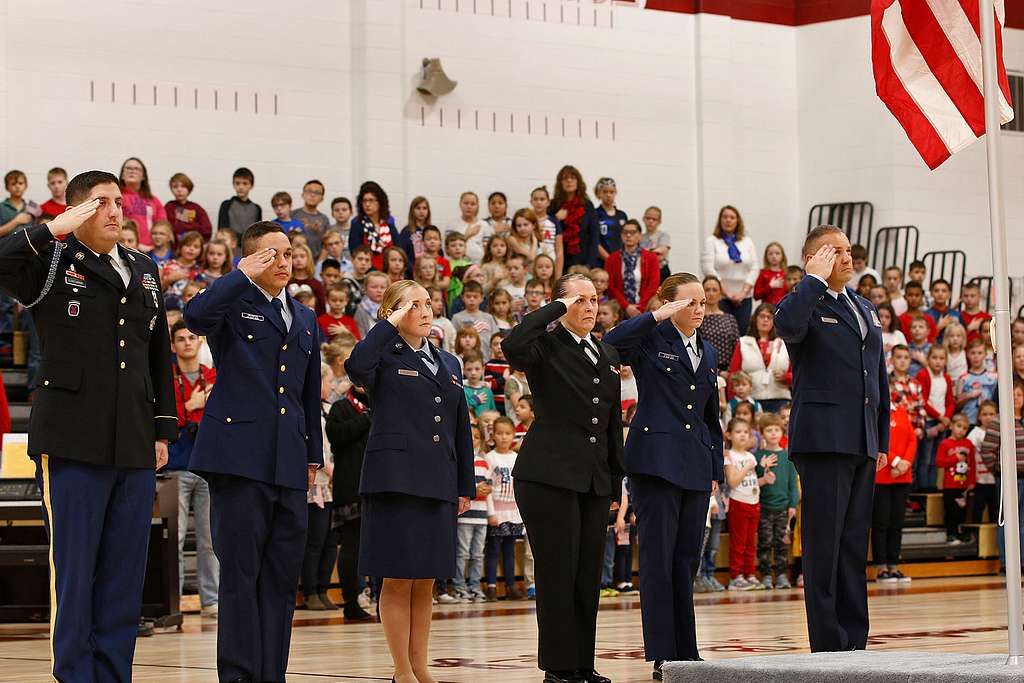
x,y
417,470
673,459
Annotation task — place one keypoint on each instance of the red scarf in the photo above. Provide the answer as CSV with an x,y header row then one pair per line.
x,y
574,210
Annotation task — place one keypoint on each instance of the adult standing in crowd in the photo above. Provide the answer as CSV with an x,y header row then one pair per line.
x,y
417,473
580,229
990,455
839,435
673,459
259,446
374,225
139,204
762,355
569,470
719,328
101,420
633,272
193,383
730,254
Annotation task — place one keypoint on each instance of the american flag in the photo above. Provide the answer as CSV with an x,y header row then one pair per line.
x,y
926,56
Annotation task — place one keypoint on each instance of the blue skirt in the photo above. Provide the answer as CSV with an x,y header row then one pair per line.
x,y
407,537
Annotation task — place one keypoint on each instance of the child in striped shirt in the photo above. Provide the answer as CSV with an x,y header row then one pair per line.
x,y
472,531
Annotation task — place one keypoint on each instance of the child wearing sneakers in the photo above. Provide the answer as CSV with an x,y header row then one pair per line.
x,y
956,458
744,505
779,499
505,524
472,529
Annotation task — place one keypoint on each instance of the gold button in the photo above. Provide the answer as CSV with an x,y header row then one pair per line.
x,y
284,348
283,368
46,383
280,390
124,300
122,343
249,337
689,406
687,426
121,321
283,411
693,387
668,369
227,419
122,365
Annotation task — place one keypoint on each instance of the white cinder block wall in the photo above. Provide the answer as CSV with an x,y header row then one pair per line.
x,y
686,112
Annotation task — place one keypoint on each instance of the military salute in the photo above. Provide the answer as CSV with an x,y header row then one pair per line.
x,y
101,419
569,470
259,445
673,459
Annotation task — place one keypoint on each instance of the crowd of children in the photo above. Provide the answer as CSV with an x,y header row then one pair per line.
x,y
484,274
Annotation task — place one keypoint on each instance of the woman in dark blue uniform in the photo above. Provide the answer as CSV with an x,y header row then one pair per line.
x,y
417,470
673,459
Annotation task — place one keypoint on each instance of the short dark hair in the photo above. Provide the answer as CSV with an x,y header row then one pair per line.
x,y
472,356
342,200
431,228
314,181
913,284
816,234
633,222
972,285
363,249
244,174
794,269
256,231
330,263
533,284
941,281
917,264
178,327
281,197
79,187
473,287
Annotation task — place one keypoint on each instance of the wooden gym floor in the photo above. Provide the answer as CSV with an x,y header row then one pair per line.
x,y
497,641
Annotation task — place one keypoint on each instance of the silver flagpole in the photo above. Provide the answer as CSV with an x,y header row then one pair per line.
x,y
1008,446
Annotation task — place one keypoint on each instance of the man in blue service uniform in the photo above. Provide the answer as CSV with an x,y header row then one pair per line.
x,y
838,435
259,445
101,419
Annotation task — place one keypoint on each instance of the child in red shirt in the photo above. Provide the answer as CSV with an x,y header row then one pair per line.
x,y
334,320
524,417
956,457
892,485
771,281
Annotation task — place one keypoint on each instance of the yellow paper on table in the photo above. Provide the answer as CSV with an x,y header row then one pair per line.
x,y
14,461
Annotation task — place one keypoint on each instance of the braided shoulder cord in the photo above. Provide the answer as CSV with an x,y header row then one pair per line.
x,y
58,247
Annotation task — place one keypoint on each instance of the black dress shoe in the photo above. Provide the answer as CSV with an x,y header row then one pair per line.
x,y
593,676
145,629
562,677
242,680
656,674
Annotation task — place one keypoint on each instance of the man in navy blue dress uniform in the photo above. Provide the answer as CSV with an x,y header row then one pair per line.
x,y
838,435
259,445
101,419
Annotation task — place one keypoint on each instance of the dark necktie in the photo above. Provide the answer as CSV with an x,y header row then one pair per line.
x,y
109,260
279,307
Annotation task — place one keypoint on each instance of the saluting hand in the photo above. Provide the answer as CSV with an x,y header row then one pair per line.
x,y
73,217
395,317
823,261
255,263
570,300
670,308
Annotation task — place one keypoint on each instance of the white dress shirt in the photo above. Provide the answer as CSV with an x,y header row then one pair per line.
x,y
590,348
282,296
690,343
431,364
845,299
119,265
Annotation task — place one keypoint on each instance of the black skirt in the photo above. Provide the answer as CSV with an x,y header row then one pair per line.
x,y
407,537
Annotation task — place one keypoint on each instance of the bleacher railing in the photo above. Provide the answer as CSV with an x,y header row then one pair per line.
x,y
895,245
855,218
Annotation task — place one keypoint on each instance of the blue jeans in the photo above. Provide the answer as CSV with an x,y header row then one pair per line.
x,y
741,312
925,474
1000,531
707,560
471,547
195,492
608,568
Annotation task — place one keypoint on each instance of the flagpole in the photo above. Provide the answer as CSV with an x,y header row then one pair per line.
x,y
1001,327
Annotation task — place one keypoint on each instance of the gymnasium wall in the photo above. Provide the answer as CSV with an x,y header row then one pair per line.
x,y
685,111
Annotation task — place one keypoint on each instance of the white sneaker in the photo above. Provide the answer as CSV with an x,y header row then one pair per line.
x,y
364,600
209,612
740,584
446,599
478,596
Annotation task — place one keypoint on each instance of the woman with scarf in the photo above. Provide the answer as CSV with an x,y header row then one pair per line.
x,y
374,225
633,273
580,229
731,256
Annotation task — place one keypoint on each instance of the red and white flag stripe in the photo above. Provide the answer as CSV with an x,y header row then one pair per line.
x,y
926,56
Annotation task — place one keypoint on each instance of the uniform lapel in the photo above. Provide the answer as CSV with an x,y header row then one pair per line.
x,y
563,335
134,268
842,311
671,335
256,297
411,360
83,257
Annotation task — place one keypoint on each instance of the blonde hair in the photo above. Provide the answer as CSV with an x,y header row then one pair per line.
x,y
393,296
307,272
668,288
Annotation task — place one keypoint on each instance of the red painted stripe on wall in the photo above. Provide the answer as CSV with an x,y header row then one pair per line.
x,y
796,12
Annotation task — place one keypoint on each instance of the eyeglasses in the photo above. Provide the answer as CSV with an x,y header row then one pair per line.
x,y
315,192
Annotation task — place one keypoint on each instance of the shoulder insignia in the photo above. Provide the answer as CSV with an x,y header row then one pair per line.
x,y
79,256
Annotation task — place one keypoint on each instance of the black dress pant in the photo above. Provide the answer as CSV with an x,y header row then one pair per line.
x,y
321,551
670,529
348,561
567,534
890,509
837,500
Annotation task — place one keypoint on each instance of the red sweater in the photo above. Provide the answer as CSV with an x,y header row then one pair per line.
x,y
327,320
969,318
902,444
908,317
764,292
957,475
924,378
650,278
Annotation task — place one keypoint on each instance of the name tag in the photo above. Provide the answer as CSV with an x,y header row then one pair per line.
x,y
253,316
831,321
408,373
874,319
669,356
